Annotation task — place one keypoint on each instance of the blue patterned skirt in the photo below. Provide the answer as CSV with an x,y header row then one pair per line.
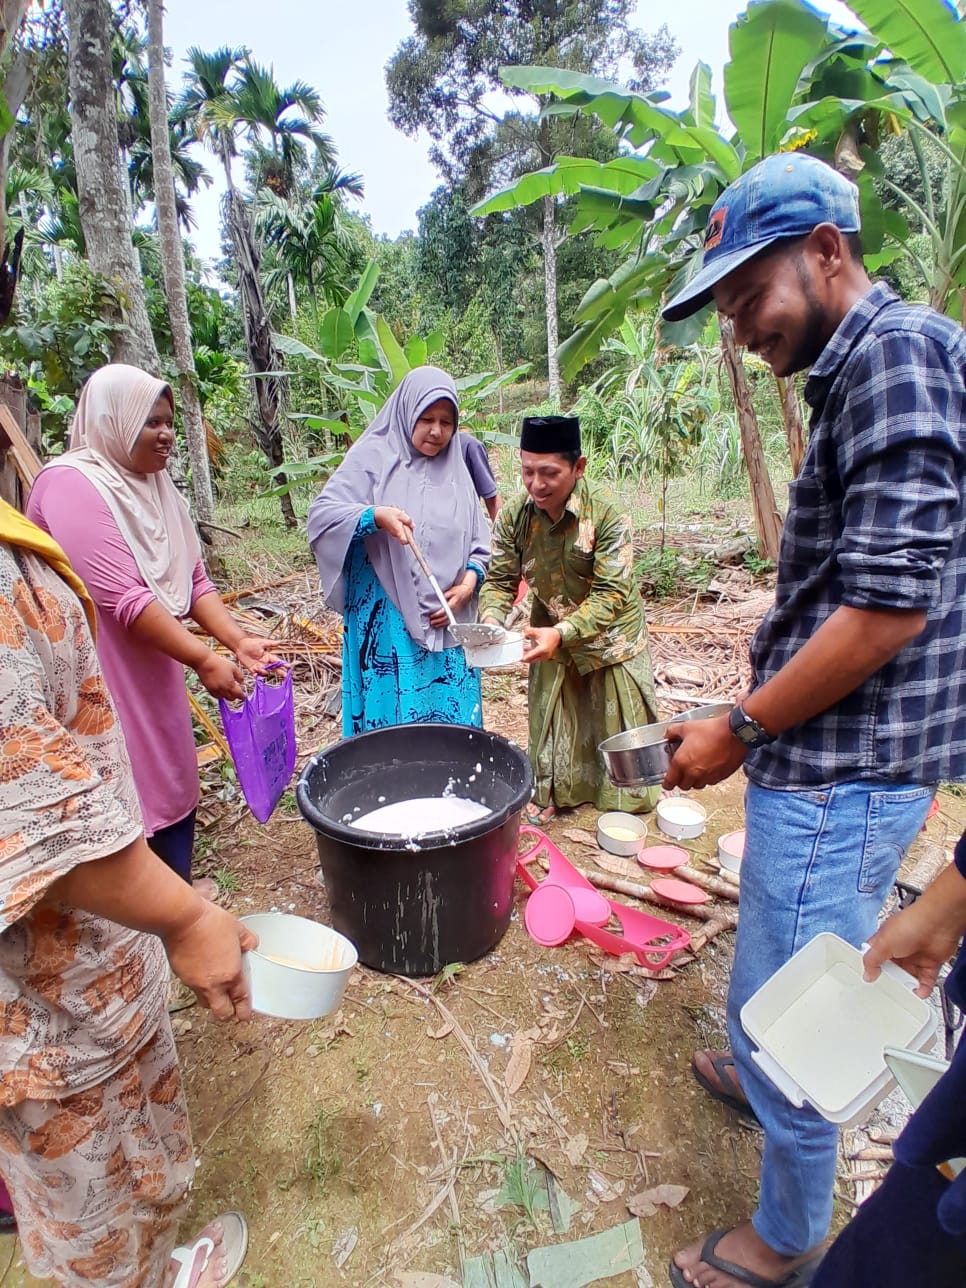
x,y
387,677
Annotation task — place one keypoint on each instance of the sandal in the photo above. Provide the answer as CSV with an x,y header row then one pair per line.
x,y
800,1277
723,1063
534,816
193,1259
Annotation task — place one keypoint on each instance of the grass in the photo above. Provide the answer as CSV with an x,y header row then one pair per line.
x,y
268,546
226,880
524,1186
323,1161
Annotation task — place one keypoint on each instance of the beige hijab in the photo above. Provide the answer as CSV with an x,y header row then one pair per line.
x,y
152,518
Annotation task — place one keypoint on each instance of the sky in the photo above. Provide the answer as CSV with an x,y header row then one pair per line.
x,y
341,48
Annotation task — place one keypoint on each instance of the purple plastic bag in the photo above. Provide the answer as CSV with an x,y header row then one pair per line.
x,y
261,736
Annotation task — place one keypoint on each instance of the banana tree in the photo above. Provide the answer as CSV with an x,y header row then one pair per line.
x,y
360,361
793,79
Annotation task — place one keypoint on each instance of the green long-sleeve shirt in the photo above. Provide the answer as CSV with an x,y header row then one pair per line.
x,y
580,570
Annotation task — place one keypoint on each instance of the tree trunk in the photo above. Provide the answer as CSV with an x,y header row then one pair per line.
x,y
792,417
101,186
768,521
172,265
550,295
498,355
15,83
262,353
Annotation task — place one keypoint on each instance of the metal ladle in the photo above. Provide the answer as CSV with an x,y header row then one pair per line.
x,y
473,634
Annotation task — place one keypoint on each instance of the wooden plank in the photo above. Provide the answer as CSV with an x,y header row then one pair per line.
x,y
209,726
27,461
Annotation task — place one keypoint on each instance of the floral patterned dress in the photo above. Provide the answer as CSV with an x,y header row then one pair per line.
x,y
94,1142
580,570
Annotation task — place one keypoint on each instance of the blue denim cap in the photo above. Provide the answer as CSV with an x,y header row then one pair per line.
x,y
783,196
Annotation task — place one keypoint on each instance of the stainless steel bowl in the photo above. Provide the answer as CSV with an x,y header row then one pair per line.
x,y
641,757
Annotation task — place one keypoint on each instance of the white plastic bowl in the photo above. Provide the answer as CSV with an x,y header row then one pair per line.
x,y
822,1031
609,829
300,968
681,818
731,849
507,652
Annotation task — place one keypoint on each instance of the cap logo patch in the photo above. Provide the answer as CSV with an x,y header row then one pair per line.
x,y
715,228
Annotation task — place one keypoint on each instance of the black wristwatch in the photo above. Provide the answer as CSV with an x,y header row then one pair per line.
x,y
747,730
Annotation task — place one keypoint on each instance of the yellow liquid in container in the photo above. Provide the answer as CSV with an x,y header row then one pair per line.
x,y
622,834
334,962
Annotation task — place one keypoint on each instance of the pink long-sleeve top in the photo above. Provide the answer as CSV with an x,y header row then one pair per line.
x,y
147,686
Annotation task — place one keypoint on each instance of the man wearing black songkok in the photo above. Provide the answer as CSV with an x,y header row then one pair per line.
x,y
590,668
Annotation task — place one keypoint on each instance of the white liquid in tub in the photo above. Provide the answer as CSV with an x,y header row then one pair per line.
x,y
680,812
837,1013
422,814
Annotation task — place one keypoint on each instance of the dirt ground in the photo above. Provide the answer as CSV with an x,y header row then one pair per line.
x,y
383,1146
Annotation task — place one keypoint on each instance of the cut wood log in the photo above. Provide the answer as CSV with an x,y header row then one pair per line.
x,y
617,885
704,881
725,919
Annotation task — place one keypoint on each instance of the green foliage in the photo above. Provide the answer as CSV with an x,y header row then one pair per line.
x,y
668,573
59,335
358,363
524,1186
756,565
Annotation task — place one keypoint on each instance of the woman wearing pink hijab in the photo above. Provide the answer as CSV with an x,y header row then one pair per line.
x,y
110,503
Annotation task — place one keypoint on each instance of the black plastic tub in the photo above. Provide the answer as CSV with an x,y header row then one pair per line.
x,y
413,906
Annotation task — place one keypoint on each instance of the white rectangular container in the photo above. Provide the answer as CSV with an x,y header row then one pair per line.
x,y
822,1030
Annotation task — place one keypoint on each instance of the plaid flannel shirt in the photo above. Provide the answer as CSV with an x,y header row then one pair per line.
x,y
877,519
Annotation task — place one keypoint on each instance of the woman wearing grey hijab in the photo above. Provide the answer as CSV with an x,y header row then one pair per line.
x,y
403,476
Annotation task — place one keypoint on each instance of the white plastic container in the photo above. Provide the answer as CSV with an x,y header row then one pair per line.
x,y
612,830
731,849
300,968
506,653
822,1030
681,818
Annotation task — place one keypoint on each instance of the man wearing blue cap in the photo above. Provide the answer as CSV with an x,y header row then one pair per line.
x,y
859,668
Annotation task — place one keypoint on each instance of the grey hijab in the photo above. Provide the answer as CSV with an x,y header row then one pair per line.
x,y
383,468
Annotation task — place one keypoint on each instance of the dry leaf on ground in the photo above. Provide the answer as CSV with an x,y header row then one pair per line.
x,y
648,1201
576,1148
618,866
518,1065
580,836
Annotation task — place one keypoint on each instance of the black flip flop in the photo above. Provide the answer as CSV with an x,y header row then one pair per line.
x,y
800,1277
740,1104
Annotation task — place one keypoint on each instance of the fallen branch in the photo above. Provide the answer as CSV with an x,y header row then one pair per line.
x,y
704,881
604,881
234,595
460,1034
726,919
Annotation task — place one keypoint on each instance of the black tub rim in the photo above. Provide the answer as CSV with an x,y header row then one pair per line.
x,y
441,839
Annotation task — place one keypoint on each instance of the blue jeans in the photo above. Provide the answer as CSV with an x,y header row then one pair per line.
x,y
813,861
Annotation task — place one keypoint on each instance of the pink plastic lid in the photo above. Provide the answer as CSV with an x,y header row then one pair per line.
x,y
550,915
662,858
589,905
678,891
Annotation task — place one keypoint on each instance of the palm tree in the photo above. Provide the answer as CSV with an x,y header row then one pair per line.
x,y
288,117
172,265
307,239
207,108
